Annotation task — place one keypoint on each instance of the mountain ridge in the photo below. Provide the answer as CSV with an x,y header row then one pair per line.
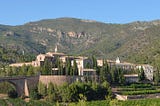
x,y
135,42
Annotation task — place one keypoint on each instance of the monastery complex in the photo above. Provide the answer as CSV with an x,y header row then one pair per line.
x,y
82,61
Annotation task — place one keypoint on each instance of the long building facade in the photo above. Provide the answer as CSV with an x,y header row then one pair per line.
x,y
82,61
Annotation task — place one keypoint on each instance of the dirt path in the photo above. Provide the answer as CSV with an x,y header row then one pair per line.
x,y
3,96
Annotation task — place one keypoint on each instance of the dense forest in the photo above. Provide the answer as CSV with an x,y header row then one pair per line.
x,y
8,56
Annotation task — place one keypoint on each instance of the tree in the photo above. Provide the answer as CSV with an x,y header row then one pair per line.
x,y
102,78
120,76
50,88
12,94
88,65
105,74
22,70
68,67
60,68
114,74
9,71
59,65
47,68
34,93
141,74
94,62
75,68
51,93
117,75
66,93
42,90
30,71
107,89
156,77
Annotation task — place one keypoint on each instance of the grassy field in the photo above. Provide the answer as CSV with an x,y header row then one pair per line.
x,y
20,102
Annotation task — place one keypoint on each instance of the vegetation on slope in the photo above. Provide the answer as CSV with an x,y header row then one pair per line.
x,y
135,42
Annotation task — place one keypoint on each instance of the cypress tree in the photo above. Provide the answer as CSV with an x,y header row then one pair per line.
x,y
141,75
156,77
47,68
68,67
75,68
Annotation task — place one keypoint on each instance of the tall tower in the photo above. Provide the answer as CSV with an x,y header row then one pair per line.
x,y
118,60
56,49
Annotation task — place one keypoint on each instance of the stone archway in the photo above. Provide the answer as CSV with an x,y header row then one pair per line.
x,y
7,88
19,85
22,84
18,88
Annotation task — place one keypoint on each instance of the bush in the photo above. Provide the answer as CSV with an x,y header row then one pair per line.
x,y
34,94
12,94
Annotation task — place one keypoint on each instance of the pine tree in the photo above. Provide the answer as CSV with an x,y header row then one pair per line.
x,y
75,68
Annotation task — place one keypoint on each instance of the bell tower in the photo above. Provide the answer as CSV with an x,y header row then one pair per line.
x,y
56,49
118,60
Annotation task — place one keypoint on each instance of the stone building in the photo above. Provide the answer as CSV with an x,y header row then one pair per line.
x,y
52,56
148,69
83,61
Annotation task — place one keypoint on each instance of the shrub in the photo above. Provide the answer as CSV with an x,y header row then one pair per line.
x,y
12,94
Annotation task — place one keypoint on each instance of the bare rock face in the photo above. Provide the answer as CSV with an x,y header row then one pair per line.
x,y
42,29
56,32
50,30
76,35
10,33
72,34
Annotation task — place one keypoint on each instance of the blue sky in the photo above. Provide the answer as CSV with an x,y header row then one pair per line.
x,y
18,12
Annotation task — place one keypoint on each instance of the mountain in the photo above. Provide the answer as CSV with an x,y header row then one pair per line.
x,y
137,42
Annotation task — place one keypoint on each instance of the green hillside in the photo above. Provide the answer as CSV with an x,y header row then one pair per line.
x,y
135,42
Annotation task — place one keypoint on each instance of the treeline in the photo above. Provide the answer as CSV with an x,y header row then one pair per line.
x,y
59,68
8,56
19,71
111,74
74,92
48,68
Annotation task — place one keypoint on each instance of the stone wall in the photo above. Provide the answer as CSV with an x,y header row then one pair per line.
x,y
32,81
58,80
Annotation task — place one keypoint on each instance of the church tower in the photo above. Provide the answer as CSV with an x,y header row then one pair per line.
x,y
118,60
56,49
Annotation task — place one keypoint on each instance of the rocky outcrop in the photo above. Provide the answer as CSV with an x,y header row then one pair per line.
x,y
55,32
10,33
42,29
76,35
